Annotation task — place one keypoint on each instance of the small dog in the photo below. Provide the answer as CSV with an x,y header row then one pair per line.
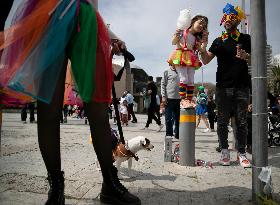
x,y
121,152
126,152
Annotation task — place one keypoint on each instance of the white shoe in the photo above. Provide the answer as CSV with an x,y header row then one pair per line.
x,y
160,127
206,130
244,162
225,157
229,129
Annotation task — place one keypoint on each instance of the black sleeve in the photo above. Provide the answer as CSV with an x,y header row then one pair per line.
x,y
214,48
154,89
149,86
247,43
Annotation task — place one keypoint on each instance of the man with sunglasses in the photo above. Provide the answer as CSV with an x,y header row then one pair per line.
x,y
232,50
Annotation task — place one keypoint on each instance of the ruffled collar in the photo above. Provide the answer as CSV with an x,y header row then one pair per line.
x,y
234,35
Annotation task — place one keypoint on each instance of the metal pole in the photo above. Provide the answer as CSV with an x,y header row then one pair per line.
x,y
243,27
259,86
187,136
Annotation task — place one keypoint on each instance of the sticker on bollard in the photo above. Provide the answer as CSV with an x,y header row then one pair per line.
x,y
168,149
176,154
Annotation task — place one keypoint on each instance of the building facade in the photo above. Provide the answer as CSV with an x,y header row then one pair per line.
x,y
276,60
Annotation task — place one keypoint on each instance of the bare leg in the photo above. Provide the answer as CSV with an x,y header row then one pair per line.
x,y
198,120
205,121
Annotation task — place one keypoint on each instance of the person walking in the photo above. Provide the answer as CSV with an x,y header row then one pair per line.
x,y
171,100
129,98
31,107
232,50
38,70
211,106
152,109
23,113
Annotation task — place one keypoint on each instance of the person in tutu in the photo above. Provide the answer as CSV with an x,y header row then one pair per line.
x,y
124,112
190,32
201,108
41,38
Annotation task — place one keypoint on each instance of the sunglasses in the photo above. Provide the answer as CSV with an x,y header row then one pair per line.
x,y
230,17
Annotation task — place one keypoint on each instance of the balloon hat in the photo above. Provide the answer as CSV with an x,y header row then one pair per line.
x,y
231,13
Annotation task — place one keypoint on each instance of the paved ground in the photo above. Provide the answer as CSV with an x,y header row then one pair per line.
x,y
23,174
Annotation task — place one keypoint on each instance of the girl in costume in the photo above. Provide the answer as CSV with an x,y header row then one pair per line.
x,y
124,112
42,36
184,58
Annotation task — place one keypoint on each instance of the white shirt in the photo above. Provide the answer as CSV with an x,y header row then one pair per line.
x,y
129,98
123,109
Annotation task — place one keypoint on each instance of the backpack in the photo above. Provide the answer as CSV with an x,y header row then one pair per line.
x,y
202,99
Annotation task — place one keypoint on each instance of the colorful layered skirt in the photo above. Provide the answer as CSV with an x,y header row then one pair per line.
x,y
41,36
185,58
201,109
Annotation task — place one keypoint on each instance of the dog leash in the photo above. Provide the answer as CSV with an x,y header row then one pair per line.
x,y
115,100
128,57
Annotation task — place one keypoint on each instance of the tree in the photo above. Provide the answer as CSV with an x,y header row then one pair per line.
x,y
274,84
211,88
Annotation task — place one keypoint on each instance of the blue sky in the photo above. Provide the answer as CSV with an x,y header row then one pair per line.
x,y
147,26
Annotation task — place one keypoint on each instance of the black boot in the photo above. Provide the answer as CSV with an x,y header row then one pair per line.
x,y
56,192
115,193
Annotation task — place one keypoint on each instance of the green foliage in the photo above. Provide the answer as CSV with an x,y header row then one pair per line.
x,y
274,83
211,88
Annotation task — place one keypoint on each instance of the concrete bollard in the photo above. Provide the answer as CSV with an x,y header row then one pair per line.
x,y
187,136
167,149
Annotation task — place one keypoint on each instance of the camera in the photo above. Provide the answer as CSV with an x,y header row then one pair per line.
x,y
127,55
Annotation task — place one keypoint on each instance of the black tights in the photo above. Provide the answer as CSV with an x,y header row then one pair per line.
x,y
49,130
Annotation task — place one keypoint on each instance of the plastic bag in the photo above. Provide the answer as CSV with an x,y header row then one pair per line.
x,y
184,19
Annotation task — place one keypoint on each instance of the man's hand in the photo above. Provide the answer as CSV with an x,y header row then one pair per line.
x,y
242,54
250,108
117,46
